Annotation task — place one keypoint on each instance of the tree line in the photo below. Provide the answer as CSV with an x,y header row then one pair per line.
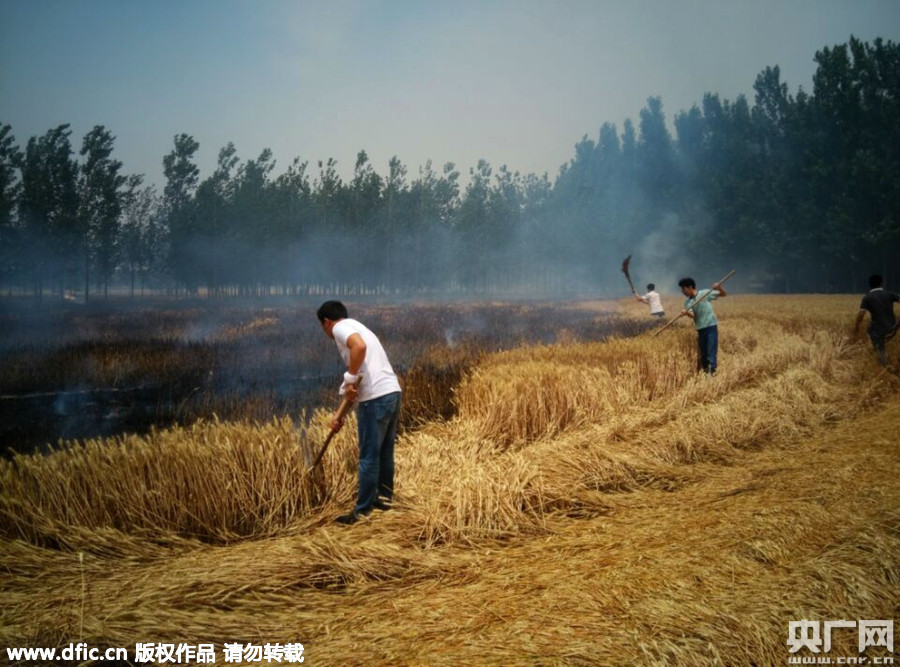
x,y
801,189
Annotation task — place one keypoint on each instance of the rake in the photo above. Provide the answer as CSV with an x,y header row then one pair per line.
x,y
628,275
693,305
342,410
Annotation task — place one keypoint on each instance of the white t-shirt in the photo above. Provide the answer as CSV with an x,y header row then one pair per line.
x,y
379,378
655,302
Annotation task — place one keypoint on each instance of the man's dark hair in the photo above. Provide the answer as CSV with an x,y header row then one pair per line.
x,y
651,286
687,282
332,310
875,280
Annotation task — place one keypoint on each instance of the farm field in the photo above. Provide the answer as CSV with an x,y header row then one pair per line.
x,y
584,502
72,373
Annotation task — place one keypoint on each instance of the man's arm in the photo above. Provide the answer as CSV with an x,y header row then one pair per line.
x,y
357,347
721,290
859,318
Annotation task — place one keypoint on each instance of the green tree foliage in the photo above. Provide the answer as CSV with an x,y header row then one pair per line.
x,y
394,229
141,233
656,157
473,232
186,242
855,164
10,238
253,233
294,218
48,210
99,206
433,198
215,233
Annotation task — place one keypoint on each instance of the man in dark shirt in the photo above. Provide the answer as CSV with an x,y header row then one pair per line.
x,y
880,304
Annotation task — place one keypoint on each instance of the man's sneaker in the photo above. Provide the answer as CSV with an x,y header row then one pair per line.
x,y
349,518
383,505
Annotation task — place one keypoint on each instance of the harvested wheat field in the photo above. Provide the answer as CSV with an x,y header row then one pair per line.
x,y
590,503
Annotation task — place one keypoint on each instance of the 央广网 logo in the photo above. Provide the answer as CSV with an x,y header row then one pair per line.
x,y
816,635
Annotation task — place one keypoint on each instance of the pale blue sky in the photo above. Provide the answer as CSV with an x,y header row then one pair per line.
x,y
516,82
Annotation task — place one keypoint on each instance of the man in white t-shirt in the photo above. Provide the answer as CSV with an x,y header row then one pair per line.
x,y
378,414
653,299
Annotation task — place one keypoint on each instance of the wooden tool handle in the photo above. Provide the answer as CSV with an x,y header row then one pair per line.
x,y
342,411
679,316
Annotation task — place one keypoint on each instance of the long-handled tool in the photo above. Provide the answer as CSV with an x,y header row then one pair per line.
x,y
627,275
342,410
692,306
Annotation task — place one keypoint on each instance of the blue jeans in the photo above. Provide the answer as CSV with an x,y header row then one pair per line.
x,y
377,421
708,342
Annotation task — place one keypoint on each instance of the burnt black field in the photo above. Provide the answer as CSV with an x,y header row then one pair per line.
x,y
75,372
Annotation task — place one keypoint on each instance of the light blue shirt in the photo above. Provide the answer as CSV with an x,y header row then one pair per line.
x,y
704,315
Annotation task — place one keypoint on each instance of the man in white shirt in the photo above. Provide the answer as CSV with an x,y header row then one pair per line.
x,y
652,298
378,414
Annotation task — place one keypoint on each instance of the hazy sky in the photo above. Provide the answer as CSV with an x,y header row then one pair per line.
x,y
516,82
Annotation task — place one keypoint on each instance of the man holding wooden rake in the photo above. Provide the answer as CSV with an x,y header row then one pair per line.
x,y
370,379
652,299
697,306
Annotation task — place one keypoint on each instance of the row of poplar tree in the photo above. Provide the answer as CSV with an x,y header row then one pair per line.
x,y
803,189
